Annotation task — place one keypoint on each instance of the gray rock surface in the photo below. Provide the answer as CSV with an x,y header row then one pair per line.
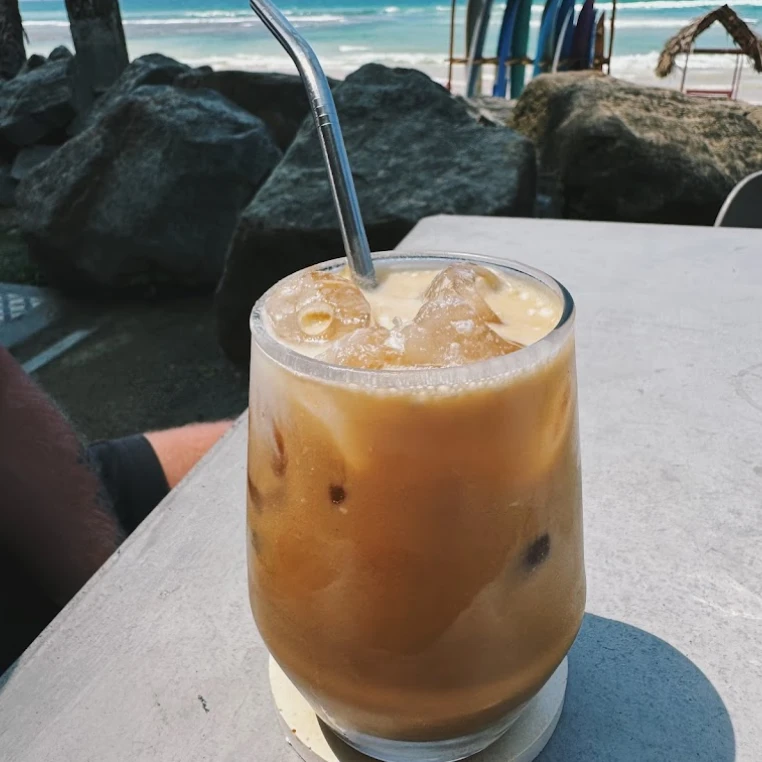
x,y
61,53
7,187
40,104
148,197
33,62
28,158
279,100
490,109
151,69
415,151
636,154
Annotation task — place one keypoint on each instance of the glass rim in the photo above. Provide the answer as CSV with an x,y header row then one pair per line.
x,y
494,368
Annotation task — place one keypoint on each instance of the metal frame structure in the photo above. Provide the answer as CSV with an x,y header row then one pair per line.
x,y
732,92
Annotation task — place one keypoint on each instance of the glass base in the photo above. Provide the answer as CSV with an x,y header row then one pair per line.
x,y
427,751
518,738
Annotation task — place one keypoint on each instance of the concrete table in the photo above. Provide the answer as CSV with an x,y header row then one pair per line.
x,y
158,658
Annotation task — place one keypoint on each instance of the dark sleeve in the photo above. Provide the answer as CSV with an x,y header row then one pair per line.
x,y
55,519
132,475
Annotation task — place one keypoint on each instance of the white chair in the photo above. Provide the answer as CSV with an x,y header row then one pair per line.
x,y
743,207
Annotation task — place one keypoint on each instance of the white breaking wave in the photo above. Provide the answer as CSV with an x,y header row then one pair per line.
x,y
186,20
661,5
347,15
638,65
317,18
353,48
657,5
347,62
626,7
645,63
645,23
183,21
634,64
641,23
244,20
217,14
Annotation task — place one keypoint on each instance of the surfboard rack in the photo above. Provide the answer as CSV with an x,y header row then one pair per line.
x,y
492,60
601,61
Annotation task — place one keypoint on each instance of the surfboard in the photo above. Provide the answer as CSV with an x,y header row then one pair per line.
x,y
520,46
474,71
561,38
541,59
504,45
600,41
566,48
591,41
473,11
564,18
580,50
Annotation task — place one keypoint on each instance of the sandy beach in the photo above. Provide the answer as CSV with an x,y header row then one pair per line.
x,y
704,72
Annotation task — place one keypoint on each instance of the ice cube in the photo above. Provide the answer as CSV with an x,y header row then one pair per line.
x,y
450,331
469,282
537,552
316,307
371,348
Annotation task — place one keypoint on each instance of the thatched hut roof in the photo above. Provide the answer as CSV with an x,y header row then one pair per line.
x,y
682,42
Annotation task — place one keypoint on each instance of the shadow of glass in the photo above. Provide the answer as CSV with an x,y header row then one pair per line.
x,y
632,697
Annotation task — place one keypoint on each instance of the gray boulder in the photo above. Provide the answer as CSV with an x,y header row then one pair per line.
x,y
415,151
152,69
148,197
627,153
489,109
61,53
39,104
33,62
7,187
279,100
28,158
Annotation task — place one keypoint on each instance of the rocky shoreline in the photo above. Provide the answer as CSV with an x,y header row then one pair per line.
x,y
193,181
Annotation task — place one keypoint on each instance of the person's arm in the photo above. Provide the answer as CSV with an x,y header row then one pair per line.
x,y
178,450
54,517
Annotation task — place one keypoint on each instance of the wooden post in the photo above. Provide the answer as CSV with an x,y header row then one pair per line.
x,y
96,28
12,52
685,70
611,35
452,45
737,76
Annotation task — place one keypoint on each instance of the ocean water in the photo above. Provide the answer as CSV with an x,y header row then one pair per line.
x,y
409,33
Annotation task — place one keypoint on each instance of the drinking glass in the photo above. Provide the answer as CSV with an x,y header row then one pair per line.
x,y
415,551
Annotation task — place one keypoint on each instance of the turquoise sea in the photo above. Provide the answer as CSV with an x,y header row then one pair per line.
x,y
410,33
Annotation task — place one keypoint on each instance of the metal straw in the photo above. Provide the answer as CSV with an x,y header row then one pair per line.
x,y
331,141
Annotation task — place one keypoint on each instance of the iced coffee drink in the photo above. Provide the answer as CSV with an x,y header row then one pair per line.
x,y
414,505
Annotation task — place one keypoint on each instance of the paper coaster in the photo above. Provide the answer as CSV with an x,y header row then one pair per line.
x,y
313,742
